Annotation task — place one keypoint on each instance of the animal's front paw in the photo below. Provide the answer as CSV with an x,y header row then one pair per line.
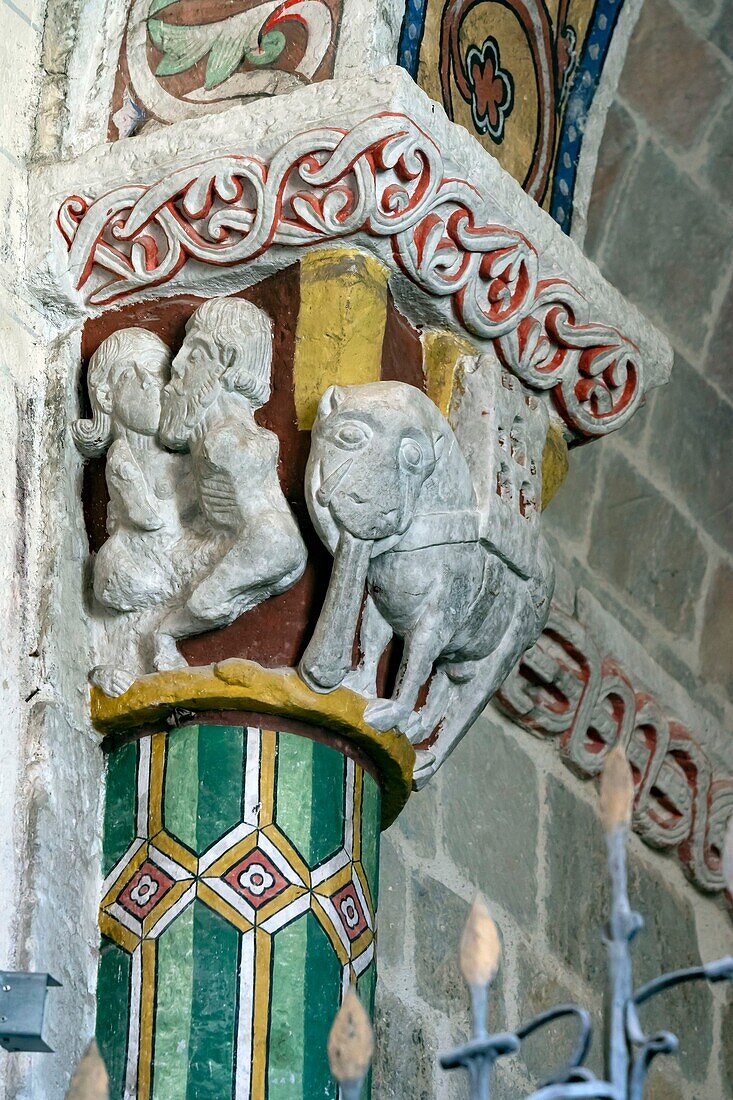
x,y
418,727
111,680
387,714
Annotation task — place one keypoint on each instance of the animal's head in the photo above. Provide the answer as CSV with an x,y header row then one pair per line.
x,y
372,449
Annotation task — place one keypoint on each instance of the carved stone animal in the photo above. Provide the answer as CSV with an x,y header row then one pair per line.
x,y
391,495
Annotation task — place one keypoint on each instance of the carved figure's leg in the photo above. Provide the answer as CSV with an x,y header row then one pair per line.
x,y
111,680
327,658
230,589
421,648
472,695
374,637
423,722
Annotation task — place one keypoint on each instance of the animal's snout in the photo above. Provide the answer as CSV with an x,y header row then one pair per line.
x,y
330,484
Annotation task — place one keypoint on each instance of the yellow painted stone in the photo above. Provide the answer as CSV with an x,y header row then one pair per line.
x,y
555,463
244,685
340,332
441,351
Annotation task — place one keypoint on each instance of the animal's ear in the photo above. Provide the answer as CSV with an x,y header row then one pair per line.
x,y
330,401
438,445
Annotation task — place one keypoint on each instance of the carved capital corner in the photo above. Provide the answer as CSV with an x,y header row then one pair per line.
x,y
387,176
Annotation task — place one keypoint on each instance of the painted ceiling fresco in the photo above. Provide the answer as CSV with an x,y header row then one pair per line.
x,y
518,74
185,58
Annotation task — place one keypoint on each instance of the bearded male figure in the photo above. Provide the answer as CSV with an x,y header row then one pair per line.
x,y
219,378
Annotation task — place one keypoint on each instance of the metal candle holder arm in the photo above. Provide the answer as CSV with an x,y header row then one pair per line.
x,y
629,1050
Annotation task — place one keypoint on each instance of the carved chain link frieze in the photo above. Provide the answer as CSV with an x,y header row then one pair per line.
x,y
564,688
386,178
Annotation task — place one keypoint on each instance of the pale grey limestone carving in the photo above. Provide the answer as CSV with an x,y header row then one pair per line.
x,y
142,565
442,529
195,539
220,377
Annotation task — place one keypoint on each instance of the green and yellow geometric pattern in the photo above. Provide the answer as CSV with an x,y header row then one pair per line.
x,y
239,902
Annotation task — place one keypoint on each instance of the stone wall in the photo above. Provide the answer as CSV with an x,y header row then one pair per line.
x,y
644,522
505,817
50,780
661,229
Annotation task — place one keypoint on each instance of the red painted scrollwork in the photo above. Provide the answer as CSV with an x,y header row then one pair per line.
x,y
564,688
385,178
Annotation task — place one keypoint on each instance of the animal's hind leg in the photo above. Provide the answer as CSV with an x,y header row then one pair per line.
x,y
422,646
468,699
423,721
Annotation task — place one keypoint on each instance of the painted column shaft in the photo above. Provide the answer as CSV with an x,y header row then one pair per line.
x,y
239,903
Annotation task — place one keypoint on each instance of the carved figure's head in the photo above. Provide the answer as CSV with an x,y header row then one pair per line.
x,y
227,348
126,376
372,449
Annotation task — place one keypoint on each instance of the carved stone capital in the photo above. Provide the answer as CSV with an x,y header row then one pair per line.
x,y
461,242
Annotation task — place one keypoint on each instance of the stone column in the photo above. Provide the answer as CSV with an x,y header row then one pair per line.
x,y
243,810
241,858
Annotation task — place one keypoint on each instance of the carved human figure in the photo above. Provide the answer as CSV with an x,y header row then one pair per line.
x,y
391,494
138,568
220,376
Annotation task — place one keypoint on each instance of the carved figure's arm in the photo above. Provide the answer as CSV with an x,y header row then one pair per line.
x,y
126,480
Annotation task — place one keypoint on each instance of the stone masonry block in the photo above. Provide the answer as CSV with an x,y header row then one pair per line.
x,y
716,650
722,32
643,545
406,1051
720,147
492,837
578,908
440,916
668,234
578,893
692,431
418,821
620,138
568,514
727,1055
662,49
541,986
439,919
717,362
669,941
393,890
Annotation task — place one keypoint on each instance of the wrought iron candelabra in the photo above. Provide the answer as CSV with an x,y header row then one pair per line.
x,y
629,1051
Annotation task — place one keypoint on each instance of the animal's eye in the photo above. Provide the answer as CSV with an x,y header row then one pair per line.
x,y
352,435
411,453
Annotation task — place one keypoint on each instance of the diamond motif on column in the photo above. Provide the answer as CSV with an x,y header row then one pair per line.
x,y
256,878
350,910
147,887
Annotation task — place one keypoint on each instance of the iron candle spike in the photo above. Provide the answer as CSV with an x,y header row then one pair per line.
x,y
629,1050
350,1046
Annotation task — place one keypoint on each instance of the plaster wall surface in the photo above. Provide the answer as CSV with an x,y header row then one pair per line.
x,y
50,783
